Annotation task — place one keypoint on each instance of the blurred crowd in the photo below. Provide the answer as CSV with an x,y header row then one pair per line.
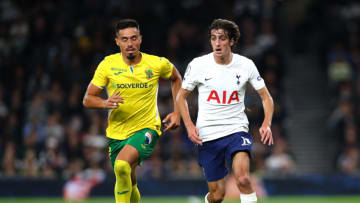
x,y
341,56
49,51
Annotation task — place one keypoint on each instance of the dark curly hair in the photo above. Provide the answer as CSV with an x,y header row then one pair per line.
x,y
230,28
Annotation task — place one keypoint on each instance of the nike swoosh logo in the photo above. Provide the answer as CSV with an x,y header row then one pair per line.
x,y
206,79
123,192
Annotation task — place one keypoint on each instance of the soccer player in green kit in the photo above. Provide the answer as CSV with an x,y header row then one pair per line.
x,y
131,80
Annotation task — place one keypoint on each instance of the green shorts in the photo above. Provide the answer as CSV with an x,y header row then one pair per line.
x,y
143,140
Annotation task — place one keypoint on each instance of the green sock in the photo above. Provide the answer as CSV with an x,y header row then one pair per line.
x,y
123,185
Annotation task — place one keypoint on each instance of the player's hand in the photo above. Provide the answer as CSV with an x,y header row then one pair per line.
x,y
113,101
171,121
266,135
193,134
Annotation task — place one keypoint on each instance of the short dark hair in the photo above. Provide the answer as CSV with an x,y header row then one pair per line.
x,y
126,23
228,26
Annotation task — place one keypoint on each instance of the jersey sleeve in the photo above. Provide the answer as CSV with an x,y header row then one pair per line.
x,y
255,79
190,79
100,78
166,68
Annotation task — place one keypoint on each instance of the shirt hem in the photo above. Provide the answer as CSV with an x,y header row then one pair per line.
x,y
227,134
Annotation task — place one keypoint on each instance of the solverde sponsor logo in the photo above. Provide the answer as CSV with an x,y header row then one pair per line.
x,y
132,85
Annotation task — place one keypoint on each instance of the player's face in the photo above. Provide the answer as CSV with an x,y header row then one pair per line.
x,y
129,40
221,43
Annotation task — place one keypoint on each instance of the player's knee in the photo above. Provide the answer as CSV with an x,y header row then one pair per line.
x,y
243,180
122,167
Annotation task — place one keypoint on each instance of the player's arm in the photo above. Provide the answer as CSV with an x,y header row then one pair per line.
x,y
93,100
193,132
173,119
175,80
268,104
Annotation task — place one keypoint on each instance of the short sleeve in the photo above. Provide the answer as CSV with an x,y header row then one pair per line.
x,y
100,79
189,81
255,79
166,68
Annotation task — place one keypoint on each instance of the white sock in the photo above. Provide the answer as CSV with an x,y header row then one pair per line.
x,y
248,198
206,201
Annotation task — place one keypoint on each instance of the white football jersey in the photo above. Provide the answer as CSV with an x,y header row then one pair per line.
x,y
221,93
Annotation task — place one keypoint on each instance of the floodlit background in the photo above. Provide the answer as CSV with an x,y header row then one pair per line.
x,y
308,53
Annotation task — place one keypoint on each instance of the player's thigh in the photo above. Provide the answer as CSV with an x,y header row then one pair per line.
x,y
129,154
121,150
238,152
239,142
211,157
115,146
140,145
241,163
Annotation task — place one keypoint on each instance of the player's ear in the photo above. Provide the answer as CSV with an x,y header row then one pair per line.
x,y
232,42
117,41
140,38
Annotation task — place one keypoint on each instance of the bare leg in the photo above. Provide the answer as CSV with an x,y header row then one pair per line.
x,y
241,169
217,191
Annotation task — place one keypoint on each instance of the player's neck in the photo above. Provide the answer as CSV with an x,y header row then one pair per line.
x,y
224,60
134,61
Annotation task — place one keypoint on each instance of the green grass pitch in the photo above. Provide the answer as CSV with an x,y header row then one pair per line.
x,y
288,199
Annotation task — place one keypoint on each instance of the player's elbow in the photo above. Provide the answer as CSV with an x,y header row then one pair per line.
x,y
266,98
85,101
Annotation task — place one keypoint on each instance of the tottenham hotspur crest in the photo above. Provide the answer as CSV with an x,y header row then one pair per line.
x,y
238,79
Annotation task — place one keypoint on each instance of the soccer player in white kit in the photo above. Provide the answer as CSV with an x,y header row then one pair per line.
x,y
221,131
